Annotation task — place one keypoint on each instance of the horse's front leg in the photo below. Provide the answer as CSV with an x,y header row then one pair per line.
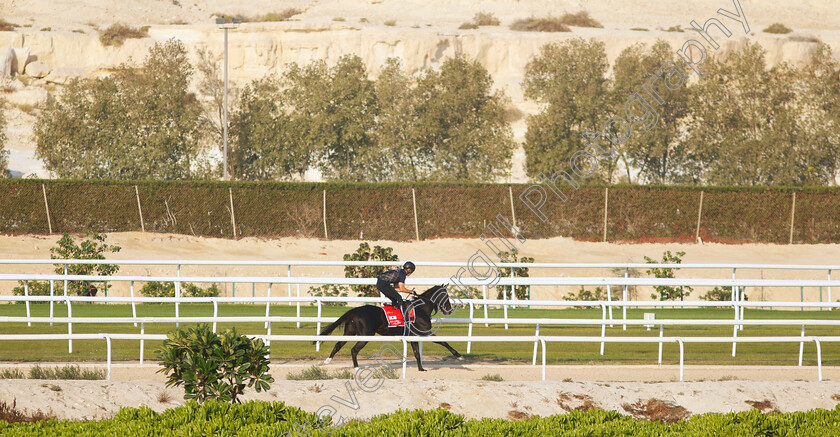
x,y
451,349
416,349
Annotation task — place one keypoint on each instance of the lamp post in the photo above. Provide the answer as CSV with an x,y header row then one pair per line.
x,y
223,25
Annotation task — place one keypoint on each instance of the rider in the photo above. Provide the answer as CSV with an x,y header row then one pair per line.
x,y
387,280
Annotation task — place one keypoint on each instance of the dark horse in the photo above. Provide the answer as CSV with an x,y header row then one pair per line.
x,y
370,320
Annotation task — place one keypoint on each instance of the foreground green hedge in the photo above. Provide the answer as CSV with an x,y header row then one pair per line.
x,y
259,418
385,211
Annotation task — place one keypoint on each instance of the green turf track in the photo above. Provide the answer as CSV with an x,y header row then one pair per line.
x,y
558,353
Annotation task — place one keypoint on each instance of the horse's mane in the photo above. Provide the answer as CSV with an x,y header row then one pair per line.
x,y
430,293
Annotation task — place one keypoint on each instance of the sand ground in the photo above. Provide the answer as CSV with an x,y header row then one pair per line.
x,y
461,390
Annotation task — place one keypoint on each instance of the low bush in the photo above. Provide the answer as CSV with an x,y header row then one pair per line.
x,y
719,294
494,377
318,373
329,290
666,292
72,372
10,414
12,374
167,289
485,19
284,15
580,19
777,28
214,366
33,288
468,25
534,24
116,34
258,419
390,23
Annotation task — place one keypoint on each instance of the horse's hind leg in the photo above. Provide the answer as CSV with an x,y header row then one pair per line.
x,y
451,349
355,352
417,357
335,350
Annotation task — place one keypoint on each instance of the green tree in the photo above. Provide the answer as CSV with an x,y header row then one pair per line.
x,y
568,80
4,154
266,136
400,159
138,123
337,107
460,127
211,118
659,153
94,247
365,253
759,126
214,366
667,292
520,291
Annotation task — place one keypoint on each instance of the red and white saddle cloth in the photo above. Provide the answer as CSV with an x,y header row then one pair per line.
x,y
395,317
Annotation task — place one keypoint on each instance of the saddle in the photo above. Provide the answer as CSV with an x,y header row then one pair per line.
x,y
395,317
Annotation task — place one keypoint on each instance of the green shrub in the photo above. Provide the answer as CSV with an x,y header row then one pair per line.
x,y
676,28
639,29
534,24
777,28
667,292
72,372
329,290
521,291
167,289
318,373
11,374
390,23
588,295
93,247
263,419
719,294
36,288
214,366
580,19
468,25
365,253
116,34
494,377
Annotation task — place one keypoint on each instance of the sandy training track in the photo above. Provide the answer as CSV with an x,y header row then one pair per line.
x,y
642,391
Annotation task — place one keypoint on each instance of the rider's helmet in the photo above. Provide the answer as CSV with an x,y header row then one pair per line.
x,y
408,267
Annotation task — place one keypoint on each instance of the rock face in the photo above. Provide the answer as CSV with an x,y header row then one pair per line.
x,y
7,55
21,58
64,75
37,69
257,49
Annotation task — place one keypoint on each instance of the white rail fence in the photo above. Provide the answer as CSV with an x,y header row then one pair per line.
x,y
541,340
737,304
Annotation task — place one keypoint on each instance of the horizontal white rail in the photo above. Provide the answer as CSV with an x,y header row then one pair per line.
x,y
490,339
581,280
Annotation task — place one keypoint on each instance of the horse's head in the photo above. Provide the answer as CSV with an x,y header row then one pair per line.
x,y
439,298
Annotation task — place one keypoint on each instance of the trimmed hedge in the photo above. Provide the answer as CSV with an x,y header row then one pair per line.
x,y
257,418
385,211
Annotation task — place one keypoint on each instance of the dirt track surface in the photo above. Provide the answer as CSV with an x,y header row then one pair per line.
x,y
629,390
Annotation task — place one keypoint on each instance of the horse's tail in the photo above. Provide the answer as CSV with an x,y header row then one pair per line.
x,y
341,320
